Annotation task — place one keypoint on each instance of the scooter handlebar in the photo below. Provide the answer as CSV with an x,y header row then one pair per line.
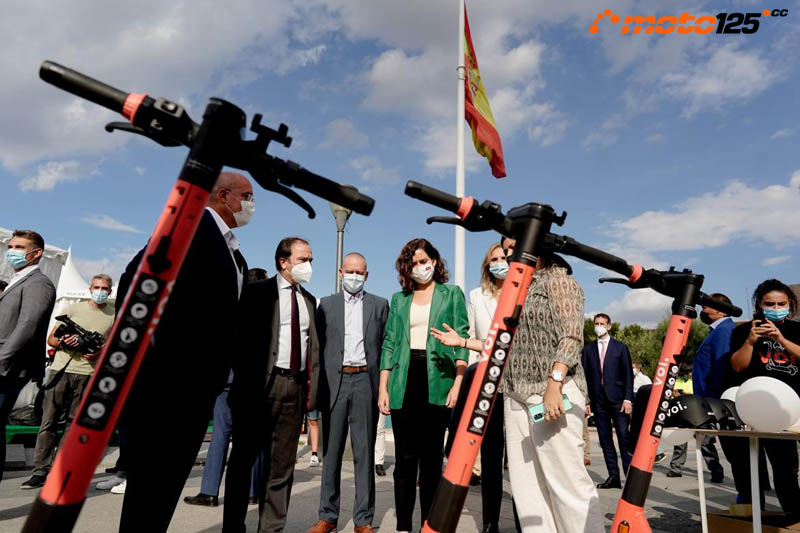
x,y
719,305
81,85
433,196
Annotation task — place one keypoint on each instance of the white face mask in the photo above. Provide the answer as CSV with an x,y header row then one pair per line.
x,y
301,272
243,217
423,273
600,331
353,283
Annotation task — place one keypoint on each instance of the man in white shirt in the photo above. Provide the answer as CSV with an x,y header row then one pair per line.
x,y
351,325
639,378
274,384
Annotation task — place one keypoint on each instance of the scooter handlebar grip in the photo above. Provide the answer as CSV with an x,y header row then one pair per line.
x,y
719,305
433,196
81,85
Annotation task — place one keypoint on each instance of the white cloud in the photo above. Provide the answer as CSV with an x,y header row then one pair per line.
x,y
772,261
108,222
52,173
782,133
715,219
641,306
607,134
438,145
112,264
183,50
341,133
140,170
728,74
371,170
656,138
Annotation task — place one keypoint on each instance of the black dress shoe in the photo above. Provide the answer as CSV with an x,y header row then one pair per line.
x,y
379,470
252,500
674,474
490,528
474,480
202,499
717,479
610,483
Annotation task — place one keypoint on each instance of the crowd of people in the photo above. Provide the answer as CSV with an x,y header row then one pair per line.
x,y
264,354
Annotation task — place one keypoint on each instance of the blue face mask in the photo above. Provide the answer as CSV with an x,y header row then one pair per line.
x,y
776,315
16,258
99,297
499,269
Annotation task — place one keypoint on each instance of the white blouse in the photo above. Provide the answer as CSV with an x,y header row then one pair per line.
x,y
418,325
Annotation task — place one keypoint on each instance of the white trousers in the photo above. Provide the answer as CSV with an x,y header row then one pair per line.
x,y
552,489
380,440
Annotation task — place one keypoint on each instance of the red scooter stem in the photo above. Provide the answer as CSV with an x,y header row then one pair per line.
x,y
82,447
453,488
630,516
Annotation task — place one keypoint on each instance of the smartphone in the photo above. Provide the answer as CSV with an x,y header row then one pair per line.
x,y
537,410
759,315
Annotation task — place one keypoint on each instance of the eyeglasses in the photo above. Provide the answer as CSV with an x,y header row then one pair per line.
x,y
246,196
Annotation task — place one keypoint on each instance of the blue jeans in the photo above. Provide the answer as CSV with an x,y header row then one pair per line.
x,y
9,390
218,451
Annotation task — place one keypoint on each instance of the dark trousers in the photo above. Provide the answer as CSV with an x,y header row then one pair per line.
x,y
419,429
9,390
607,413
354,407
165,421
783,457
492,450
710,455
271,425
63,398
218,451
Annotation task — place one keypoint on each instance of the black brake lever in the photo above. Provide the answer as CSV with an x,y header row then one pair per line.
x,y
130,128
471,226
621,281
288,193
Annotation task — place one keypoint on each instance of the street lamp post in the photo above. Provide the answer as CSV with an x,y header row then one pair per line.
x,y
340,215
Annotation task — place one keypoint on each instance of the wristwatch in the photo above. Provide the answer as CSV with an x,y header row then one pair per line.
x,y
557,375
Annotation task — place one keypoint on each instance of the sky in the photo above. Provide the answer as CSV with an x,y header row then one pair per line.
x,y
668,150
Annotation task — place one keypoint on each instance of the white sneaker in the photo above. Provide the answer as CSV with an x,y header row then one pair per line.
x,y
120,489
314,461
109,483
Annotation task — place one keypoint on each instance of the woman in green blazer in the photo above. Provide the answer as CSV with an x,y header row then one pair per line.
x,y
420,377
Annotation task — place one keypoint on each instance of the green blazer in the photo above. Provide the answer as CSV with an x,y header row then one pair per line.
x,y
447,306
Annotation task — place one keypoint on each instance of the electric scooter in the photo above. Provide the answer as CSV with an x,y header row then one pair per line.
x,y
216,142
530,226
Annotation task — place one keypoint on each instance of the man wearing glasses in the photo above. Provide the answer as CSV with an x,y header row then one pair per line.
x,y
188,363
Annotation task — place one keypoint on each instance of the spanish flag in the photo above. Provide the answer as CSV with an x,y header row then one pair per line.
x,y
477,110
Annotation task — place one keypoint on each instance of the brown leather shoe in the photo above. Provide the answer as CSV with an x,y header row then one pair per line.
x,y
587,461
323,527
364,529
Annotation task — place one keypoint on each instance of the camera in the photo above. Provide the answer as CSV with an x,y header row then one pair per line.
x,y
88,341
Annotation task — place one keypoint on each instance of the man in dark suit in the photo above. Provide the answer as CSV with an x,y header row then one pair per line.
x,y
188,362
609,380
25,308
274,383
351,326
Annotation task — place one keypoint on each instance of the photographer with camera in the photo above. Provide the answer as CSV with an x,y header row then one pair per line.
x,y
78,338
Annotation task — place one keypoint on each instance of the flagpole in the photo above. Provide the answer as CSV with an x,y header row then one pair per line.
x,y
460,237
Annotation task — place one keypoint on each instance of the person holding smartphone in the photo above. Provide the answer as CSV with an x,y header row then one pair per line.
x,y
551,488
769,345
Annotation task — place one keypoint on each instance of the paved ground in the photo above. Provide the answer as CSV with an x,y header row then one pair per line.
x,y
672,505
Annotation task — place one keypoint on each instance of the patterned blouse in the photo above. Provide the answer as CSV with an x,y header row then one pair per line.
x,y
550,330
